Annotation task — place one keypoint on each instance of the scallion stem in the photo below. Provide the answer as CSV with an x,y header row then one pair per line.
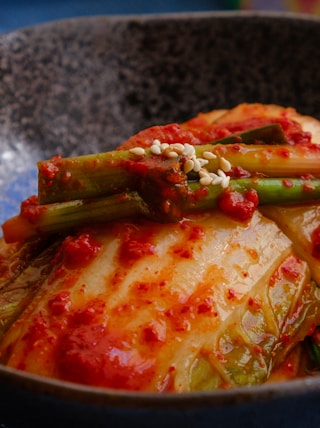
x,y
154,203
96,175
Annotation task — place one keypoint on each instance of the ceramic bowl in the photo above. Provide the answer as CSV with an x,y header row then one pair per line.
x,y
84,85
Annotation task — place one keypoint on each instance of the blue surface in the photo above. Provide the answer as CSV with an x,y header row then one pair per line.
x,y
20,13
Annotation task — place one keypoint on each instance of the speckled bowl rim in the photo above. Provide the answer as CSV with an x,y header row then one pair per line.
x,y
127,399
170,16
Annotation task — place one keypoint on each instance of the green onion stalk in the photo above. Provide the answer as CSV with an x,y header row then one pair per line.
x,y
129,183
90,176
192,198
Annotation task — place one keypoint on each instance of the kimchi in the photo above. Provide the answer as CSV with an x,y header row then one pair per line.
x,y
187,259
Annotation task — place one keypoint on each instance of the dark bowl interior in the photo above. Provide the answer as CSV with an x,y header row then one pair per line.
x,y
84,85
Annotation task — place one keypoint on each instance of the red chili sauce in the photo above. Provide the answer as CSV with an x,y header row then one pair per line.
x,y
197,131
135,244
239,206
95,354
211,132
50,168
75,253
103,352
31,210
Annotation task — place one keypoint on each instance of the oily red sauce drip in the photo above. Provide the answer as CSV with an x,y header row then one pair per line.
x,y
181,314
50,168
135,244
78,251
254,304
31,210
85,348
60,303
94,353
239,206
194,233
101,356
290,270
178,316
